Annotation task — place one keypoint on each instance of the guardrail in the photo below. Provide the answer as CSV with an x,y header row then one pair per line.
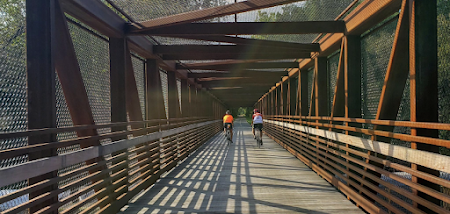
x,y
101,178
369,171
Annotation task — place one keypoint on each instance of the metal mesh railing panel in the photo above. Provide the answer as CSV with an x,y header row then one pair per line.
x,y
93,59
63,119
375,52
138,67
179,92
443,30
142,10
310,85
333,64
13,89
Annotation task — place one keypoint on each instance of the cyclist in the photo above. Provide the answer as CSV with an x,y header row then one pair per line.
x,y
228,119
257,123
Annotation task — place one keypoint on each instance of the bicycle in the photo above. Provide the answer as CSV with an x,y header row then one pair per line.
x,y
258,137
228,135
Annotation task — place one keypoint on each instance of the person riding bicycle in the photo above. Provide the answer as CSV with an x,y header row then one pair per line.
x,y
228,120
257,123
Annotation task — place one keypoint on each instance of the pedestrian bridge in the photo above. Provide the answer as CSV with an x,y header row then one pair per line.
x,y
115,106
241,178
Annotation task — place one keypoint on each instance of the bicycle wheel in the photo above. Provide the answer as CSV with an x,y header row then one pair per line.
x,y
228,137
258,138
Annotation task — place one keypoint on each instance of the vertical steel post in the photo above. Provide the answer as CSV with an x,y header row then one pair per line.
x,y
423,83
41,96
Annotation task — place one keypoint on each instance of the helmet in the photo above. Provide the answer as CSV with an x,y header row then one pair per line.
x,y
255,110
228,112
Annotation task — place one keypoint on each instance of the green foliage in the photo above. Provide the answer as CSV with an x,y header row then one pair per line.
x,y
12,23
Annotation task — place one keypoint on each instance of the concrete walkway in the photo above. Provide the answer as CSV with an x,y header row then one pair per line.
x,y
241,179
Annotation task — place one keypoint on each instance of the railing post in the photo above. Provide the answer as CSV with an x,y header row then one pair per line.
x,y
41,96
423,83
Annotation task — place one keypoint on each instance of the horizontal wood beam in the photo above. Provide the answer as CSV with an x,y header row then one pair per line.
x,y
213,12
246,28
253,42
246,73
222,56
234,64
234,49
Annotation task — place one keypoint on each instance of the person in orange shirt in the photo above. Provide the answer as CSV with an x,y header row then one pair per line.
x,y
228,119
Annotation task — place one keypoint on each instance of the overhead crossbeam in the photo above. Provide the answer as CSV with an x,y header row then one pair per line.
x,y
235,49
213,12
245,73
253,42
243,56
233,64
246,28
236,84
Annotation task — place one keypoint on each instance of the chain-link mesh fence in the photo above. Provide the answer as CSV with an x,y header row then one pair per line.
x,y
443,32
333,64
165,91
139,69
310,87
13,88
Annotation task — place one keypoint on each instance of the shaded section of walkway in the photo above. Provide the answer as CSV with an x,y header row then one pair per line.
x,y
241,178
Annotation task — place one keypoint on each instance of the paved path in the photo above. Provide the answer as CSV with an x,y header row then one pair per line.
x,y
241,178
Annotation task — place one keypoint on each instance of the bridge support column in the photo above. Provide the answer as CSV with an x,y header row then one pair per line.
x,y
41,96
118,67
423,83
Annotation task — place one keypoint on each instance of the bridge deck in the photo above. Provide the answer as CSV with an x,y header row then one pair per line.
x,y
241,179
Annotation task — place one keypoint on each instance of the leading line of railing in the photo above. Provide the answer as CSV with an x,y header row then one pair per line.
x,y
103,178
375,175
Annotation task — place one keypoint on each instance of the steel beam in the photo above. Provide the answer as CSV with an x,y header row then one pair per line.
x,y
245,28
246,73
41,95
313,47
213,12
242,56
118,67
237,65
423,83
233,49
